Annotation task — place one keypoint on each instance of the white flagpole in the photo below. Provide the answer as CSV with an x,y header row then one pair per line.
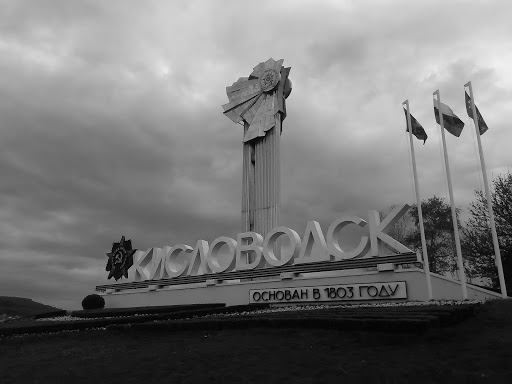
x,y
488,195
462,274
418,203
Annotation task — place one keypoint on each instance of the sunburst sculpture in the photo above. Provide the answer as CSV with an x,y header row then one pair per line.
x,y
258,98
120,259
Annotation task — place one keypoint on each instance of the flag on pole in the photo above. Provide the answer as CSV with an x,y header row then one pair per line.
x,y
417,129
481,123
452,123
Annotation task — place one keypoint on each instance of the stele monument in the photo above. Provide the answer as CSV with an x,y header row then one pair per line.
x,y
258,101
256,268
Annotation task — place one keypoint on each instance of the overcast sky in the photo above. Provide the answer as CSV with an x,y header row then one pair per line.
x,y
111,121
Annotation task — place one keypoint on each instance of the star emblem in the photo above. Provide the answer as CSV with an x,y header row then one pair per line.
x,y
120,259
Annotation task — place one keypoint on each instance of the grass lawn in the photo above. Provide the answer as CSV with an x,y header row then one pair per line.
x,y
477,350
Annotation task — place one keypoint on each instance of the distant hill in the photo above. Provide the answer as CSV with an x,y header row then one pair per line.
x,y
21,306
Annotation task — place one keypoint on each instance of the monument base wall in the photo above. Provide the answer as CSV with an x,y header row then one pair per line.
x,y
366,283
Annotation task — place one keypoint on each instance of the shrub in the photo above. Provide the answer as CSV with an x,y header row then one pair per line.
x,y
93,302
44,315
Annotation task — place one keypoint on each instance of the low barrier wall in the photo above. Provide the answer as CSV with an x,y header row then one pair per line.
x,y
318,288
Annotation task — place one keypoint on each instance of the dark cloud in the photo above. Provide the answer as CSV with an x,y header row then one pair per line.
x,y
111,120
